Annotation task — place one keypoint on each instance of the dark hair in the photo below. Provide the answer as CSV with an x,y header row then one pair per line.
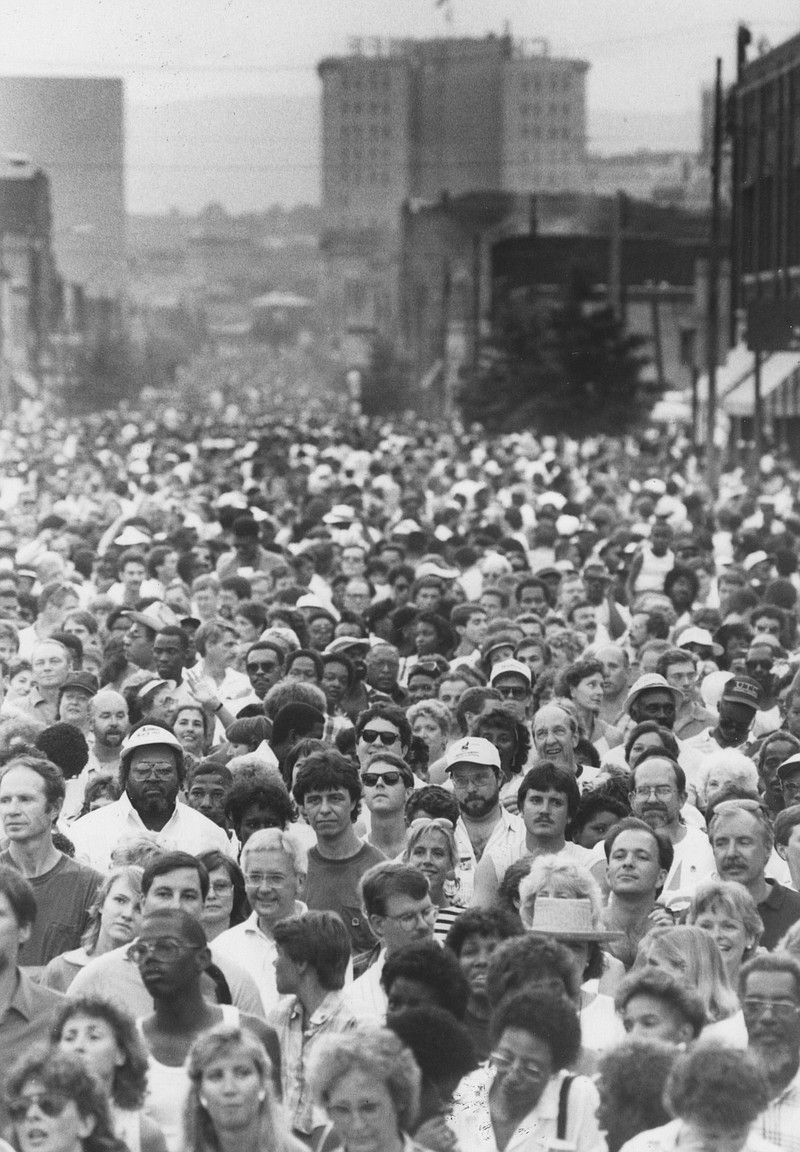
x,y
213,859
298,718
171,862
52,776
592,804
517,963
345,661
436,968
575,673
328,771
263,789
508,892
785,821
395,761
176,631
472,700
680,572
64,1073
311,655
249,730
19,893
668,741
273,646
551,1019
533,582
391,714
633,824
390,878
433,801
633,1075
482,922
442,1047
209,767
129,1086
320,939
652,981
673,656
502,716
545,776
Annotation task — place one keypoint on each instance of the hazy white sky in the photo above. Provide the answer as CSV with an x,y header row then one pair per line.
x,y
646,55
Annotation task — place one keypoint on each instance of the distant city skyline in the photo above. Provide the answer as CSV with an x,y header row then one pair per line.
x,y
648,61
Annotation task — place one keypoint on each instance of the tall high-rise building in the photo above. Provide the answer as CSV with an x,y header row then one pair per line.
x,y
414,119
73,129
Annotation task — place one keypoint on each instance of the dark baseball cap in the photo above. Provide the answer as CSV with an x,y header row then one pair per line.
x,y
743,690
86,681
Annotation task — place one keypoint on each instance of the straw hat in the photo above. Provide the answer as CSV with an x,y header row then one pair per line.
x,y
568,919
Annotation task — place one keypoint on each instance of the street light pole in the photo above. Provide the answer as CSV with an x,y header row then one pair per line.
x,y
712,317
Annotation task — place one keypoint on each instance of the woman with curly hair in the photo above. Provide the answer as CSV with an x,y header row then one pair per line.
x,y
55,1105
715,1094
231,1102
106,1041
535,1037
582,683
113,921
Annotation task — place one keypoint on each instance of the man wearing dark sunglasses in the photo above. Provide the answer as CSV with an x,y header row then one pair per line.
x,y
387,782
381,728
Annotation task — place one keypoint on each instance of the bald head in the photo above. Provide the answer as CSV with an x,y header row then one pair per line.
x,y
616,668
108,714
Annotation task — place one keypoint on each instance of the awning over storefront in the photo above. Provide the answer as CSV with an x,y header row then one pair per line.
x,y
780,384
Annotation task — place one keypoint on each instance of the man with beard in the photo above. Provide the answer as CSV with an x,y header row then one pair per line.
x,y
263,664
737,710
769,990
742,839
172,954
473,765
108,720
151,774
658,792
759,662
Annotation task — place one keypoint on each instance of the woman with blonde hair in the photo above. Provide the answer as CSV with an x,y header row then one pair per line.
x,y
728,912
113,920
431,847
231,1106
432,722
691,955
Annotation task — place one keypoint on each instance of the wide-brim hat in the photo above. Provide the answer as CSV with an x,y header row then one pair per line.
x,y
647,682
568,919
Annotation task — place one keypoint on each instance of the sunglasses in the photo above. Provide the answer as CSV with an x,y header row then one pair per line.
x,y
386,738
257,666
51,1103
371,778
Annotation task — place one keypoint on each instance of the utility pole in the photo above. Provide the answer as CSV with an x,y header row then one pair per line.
x,y
712,317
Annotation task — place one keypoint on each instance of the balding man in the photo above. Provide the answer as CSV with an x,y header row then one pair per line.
x,y
556,733
616,679
108,727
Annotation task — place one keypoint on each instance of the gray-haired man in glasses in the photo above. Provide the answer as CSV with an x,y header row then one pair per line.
x,y
742,839
769,991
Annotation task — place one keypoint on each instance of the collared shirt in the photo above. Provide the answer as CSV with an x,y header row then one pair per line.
x,y
37,706
247,945
692,720
778,912
503,845
780,1121
365,996
536,1132
26,1021
96,835
297,1036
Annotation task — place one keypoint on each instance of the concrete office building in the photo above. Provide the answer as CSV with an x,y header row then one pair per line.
x,y
73,129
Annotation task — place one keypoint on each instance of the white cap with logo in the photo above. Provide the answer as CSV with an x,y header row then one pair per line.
x,y
472,750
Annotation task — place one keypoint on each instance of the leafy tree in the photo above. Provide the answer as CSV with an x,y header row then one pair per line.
x,y
571,370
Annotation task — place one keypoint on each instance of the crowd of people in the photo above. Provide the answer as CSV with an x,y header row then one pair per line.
x,y
384,786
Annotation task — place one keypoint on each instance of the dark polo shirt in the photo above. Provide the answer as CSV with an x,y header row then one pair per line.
x,y
779,911
26,1022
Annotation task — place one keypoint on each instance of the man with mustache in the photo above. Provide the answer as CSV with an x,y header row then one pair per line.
x,y
548,798
769,990
742,839
658,792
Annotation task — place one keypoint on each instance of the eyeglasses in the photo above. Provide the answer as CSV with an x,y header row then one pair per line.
x,y
157,768
386,738
759,665
408,920
511,691
165,949
51,1103
271,879
221,887
483,776
753,1007
261,666
389,778
431,822
660,791
502,1063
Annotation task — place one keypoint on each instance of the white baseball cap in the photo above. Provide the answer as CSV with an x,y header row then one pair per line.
x,y
503,667
150,734
472,750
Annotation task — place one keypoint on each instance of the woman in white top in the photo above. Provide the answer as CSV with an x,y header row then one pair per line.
x,y
106,1041
528,1101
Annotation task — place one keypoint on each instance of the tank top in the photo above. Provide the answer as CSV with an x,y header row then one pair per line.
x,y
168,1087
654,569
